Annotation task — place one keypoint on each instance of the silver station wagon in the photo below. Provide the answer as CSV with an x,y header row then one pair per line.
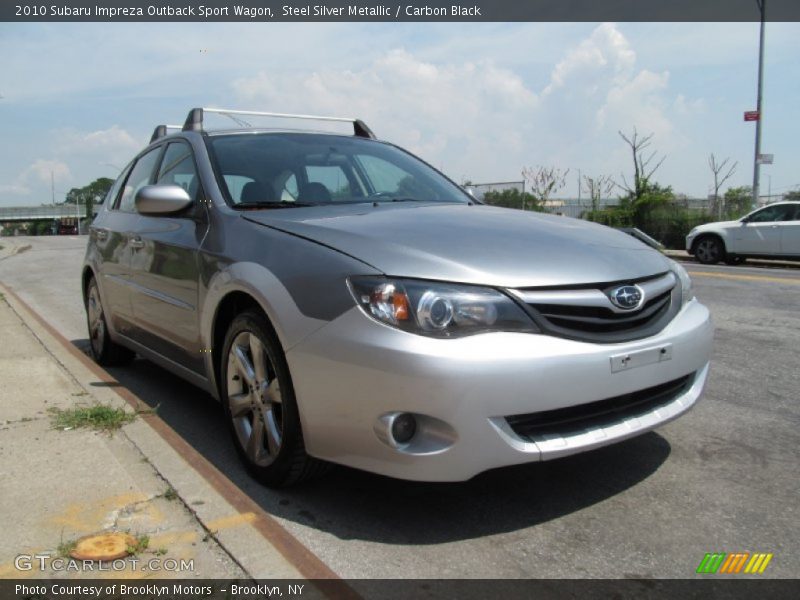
x,y
347,303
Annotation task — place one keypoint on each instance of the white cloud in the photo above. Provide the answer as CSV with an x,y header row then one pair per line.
x,y
46,171
482,120
15,189
112,144
433,109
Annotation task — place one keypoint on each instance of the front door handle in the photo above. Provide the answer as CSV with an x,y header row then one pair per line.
x,y
137,242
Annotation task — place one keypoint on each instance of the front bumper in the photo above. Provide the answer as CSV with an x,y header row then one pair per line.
x,y
690,242
354,371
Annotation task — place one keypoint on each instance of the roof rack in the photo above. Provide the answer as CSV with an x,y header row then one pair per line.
x,y
194,122
162,130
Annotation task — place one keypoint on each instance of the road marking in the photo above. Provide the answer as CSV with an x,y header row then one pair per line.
x,y
298,555
744,277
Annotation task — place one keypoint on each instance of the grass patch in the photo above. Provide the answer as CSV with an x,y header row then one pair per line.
x,y
170,494
100,417
141,545
64,548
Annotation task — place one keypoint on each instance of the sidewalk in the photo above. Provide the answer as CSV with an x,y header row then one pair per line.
x,y
63,483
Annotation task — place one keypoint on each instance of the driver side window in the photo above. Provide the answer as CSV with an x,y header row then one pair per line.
x,y
177,168
140,176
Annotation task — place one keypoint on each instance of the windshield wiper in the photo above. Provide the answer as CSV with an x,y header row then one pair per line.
x,y
281,204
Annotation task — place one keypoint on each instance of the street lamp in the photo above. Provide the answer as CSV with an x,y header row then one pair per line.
x,y
762,5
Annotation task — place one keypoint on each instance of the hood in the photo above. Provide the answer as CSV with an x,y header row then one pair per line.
x,y
471,243
717,225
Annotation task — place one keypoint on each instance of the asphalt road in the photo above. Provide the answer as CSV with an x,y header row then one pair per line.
x,y
725,477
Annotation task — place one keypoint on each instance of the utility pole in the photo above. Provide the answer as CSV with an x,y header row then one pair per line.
x,y
762,5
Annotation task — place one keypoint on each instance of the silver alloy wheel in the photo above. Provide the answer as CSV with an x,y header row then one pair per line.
x,y
708,250
97,325
254,399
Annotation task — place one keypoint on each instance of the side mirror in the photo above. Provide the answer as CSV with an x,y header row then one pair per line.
x,y
161,199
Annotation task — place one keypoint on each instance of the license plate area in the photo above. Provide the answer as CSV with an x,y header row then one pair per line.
x,y
639,358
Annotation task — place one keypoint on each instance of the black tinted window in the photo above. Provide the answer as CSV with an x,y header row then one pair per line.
x,y
319,169
782,212
140,176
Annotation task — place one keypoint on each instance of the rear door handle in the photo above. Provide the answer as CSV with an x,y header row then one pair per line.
x,y
137,242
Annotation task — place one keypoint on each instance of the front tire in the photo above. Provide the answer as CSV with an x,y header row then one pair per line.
x,y
259,402
104,350
709,250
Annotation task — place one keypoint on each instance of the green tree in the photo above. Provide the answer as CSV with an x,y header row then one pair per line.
x,y
738,201
793,195
90,194
513,198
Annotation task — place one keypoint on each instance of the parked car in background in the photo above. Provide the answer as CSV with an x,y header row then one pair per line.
x,y
769,232
346,302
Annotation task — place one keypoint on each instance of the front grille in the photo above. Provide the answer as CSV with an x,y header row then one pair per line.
x,y
602,320
562,421
587,313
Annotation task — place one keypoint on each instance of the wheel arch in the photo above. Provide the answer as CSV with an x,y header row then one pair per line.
x,y
87,275
229,307
710,234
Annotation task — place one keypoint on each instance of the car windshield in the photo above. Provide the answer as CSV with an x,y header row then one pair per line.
x,y
301,169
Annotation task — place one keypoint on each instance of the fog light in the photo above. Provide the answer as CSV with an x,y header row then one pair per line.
x,y
404,427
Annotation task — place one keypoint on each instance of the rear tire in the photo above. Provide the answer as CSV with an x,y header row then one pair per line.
x,y
260,406
709,250
104,350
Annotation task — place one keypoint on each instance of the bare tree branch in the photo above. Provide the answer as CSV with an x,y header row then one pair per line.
x,y
596,188
544,181
642,172
718,168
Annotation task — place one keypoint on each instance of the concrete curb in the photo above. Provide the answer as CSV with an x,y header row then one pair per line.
x,y
254,539
683,256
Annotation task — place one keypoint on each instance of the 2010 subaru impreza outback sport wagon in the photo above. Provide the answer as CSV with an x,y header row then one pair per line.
x,y
348,303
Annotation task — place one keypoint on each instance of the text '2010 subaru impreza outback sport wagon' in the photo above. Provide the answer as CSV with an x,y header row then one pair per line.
x,y
346,302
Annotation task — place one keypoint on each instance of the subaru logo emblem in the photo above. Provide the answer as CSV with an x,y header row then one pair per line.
x,y
626,297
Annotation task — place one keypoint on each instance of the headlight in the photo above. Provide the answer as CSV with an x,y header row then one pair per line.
x,y
686,282
438,309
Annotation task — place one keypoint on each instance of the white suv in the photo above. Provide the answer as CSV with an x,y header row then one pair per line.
x,y
772,231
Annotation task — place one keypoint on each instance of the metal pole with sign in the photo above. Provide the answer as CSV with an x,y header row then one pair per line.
x,y
762,5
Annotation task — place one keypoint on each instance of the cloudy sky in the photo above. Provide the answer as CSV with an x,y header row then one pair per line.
x,y
480,101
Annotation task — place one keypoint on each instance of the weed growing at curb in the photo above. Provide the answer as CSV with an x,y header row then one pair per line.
x,y
141,545
100,417
64,548
170,494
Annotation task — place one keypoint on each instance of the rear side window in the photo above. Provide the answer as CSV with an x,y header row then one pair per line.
x,y
177,168
140,176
